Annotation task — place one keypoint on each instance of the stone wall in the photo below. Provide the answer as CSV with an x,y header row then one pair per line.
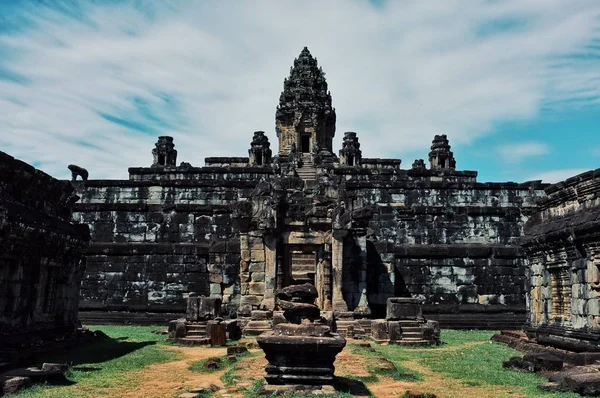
x,y
442,235
161,234
40,254
562,242
436,233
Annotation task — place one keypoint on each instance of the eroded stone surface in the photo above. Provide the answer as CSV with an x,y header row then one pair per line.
x,y
41,257
361,230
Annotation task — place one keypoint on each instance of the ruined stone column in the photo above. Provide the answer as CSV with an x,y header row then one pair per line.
x,y
363,303
337,262
270,271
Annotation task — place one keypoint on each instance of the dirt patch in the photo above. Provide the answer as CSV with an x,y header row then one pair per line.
x,y
172,378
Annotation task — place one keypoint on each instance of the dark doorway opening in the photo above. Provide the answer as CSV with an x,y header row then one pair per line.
x,y
161,160
305,143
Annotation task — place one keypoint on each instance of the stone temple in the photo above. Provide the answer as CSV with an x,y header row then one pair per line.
x,y
361,230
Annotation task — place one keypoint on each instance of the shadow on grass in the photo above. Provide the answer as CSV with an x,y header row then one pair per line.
x,y
101,350
351,386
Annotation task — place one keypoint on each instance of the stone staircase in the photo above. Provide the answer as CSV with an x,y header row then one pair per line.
x,y
307,171
195,334
412,335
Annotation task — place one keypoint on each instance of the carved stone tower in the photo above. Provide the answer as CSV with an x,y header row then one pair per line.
x,y
260,150
441,157
305,119
164,153
350,154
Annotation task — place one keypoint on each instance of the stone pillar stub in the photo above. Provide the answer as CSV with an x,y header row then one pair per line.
x,y
270,271
363,303
337,263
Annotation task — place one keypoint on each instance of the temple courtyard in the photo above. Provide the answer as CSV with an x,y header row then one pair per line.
x,y
135,361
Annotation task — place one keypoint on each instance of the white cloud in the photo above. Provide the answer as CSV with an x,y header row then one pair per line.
x,y
213,72
518,152
554,176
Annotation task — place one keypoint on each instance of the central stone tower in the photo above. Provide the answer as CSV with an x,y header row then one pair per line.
x,y
305,119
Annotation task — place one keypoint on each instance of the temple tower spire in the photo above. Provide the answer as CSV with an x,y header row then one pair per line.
x,y
305,119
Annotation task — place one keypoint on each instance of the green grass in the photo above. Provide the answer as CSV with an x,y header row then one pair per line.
x,y
106,364
477,365
399,372
103,368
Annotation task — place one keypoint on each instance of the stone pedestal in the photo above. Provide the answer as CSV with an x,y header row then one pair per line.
x,y
405,325
302,350
260,321
300,354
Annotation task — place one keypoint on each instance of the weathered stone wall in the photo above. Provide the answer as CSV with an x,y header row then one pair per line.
x,y
40,254
442,235
562,242
162,234
439,234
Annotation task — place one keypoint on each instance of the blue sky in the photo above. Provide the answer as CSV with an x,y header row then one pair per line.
x,y
514,84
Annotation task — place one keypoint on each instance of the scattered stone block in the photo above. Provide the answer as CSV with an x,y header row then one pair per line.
x,y
11,384
544,362
212,363
204,388
584,384
236,350
400,308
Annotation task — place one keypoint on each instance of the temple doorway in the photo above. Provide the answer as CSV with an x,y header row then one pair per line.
x,y
305,143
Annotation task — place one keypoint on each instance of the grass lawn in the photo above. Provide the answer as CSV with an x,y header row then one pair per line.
x,y
467,360
462,358
107,364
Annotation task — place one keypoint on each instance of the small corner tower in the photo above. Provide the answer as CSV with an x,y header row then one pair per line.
x,y
350,154
259,153
305,118
441,157
164,152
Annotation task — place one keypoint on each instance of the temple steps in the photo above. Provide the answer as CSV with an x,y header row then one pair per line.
x,y
191,340
307,171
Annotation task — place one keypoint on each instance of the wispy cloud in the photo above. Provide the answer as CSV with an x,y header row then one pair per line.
x,y
94,83
518,152
554,176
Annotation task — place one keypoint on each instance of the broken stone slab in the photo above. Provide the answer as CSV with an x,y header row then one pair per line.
x,y
544,362
236,350
177,328
188,395
11,384
52,370
400,308
584,384
296,311
560,376
379,329
306,293
212,363
55,367
535,362
204,388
